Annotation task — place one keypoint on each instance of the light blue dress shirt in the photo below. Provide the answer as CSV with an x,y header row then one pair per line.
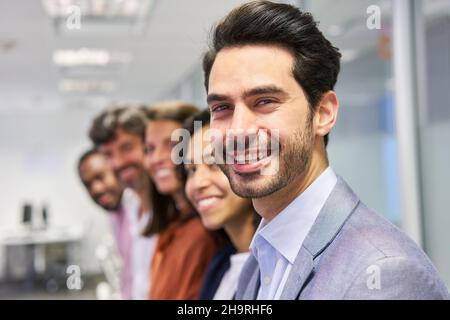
x,y
276,244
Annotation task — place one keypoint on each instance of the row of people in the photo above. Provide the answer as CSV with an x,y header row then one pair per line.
x,y
181,231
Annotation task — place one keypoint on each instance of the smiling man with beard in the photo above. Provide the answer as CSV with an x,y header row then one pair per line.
x,y
99,180
106,191
269,69
118,133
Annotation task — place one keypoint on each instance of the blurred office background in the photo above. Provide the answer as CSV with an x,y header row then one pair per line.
x,y
391,141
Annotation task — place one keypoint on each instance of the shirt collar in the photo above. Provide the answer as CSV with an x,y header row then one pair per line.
x,y
287,231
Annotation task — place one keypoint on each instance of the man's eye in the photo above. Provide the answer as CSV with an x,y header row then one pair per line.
x,y
219,108
264,101
127,147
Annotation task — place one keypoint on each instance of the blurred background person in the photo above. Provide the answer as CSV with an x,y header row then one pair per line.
x,y
184,247
106,191
209,191
119,134
99,180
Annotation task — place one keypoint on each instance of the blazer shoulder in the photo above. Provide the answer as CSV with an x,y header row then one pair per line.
x,y
373,232
378,248
399,277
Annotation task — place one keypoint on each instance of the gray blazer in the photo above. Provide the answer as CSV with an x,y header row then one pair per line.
x,y
353,253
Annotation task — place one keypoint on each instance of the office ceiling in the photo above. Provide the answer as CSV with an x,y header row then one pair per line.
x,y
156,50
167,46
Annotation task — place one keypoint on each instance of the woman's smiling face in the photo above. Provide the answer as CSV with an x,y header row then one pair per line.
x,y
209,190
158,162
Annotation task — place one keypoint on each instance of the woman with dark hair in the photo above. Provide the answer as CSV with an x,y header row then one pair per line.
x,y
220,208
185,247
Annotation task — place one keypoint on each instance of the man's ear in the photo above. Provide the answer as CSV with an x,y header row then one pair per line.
x,y
325,115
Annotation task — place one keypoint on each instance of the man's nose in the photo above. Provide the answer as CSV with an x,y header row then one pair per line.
x,y
243,129
244,119
97,187
116,162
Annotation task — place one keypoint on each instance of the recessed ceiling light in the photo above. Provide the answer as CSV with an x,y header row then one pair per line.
x,y
97,8
86,86
89,57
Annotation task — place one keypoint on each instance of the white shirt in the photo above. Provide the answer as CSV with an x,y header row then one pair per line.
x,y
228,285
142,247
276,244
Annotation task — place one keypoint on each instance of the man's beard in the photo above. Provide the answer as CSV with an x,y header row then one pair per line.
x,y
294,159
109,207
138,183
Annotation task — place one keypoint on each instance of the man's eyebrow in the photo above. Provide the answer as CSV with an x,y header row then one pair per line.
x,y
270,89
215,98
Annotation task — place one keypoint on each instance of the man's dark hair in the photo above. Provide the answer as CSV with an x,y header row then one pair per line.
x,y
131,119
317,61
85,155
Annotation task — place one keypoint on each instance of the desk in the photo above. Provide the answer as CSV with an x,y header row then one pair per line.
x,y
37,240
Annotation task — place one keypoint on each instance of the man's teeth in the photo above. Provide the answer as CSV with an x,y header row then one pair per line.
x,y
162,173
207,201
251,157
240,158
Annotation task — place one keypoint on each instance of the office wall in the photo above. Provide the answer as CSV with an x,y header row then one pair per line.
x,y
435,145
38,156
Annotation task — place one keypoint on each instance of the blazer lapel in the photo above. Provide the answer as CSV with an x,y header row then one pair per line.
x,y
248,280
338,207
300,271
253,286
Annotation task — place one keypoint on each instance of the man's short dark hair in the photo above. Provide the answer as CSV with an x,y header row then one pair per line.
x,y
317,61
85,155
131,119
